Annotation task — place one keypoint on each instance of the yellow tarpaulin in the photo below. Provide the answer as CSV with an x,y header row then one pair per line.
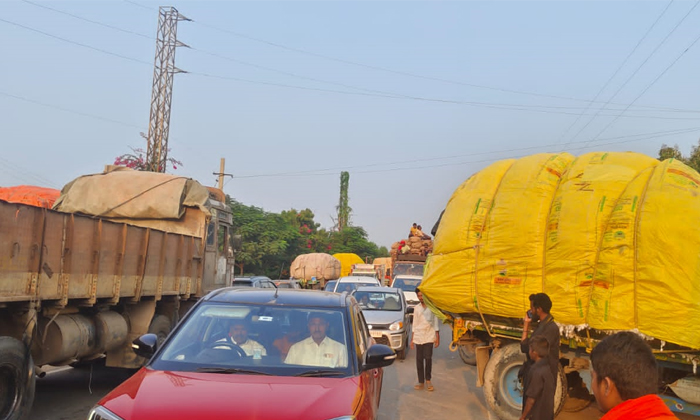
x,y
612,238
346,262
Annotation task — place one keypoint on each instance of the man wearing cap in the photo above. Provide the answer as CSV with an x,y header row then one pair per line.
x,y
238,335
318,349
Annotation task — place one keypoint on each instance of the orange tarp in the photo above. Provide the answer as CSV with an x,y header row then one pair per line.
x,y
31,195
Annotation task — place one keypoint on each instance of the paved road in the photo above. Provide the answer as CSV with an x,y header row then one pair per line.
x,y
68,394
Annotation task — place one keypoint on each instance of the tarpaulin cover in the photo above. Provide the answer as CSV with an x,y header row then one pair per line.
x,y
31,195
346,262
319,265
125,193
612,238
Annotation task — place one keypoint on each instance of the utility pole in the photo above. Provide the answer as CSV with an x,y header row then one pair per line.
x,y
222,173
343,207
162,94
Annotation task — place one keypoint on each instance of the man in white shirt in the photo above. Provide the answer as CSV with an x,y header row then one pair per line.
x,y
238,335
426,334
318,349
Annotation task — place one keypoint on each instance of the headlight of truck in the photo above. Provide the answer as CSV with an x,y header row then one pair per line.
x,y
100,413
396,326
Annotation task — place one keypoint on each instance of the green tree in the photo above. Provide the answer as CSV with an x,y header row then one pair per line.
x,y
693,160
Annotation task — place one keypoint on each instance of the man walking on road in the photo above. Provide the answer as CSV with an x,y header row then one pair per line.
x,y
540,307
425,335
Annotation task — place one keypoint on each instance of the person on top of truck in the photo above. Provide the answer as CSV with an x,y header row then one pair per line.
x,y
414,230
420,234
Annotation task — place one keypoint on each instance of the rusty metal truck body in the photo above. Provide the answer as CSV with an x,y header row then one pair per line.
x,y
75,288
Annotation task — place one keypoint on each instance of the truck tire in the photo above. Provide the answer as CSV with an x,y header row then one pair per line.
x,y
160,326
467,351
502,388
17,381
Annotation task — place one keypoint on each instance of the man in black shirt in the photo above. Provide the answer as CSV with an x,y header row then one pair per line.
x,y
540,307
538,400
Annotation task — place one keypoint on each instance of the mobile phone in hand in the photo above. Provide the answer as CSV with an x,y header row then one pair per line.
x,y
529,314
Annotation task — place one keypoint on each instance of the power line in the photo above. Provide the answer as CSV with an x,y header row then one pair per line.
x,y
116,28
640,136
378,68
637,70
72,111
649,85
618,69
75,42
513,107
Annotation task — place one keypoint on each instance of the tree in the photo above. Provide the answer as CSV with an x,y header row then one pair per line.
x,y
668,152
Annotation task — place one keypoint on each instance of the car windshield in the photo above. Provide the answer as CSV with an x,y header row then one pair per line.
x,y
408,269
284,285
330,286
265,339
351,287
378,301
407,285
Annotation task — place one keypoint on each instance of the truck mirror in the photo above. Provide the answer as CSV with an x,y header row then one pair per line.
x,y
236,242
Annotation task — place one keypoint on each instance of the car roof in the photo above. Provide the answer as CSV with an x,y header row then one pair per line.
x,y
378,289
357,279
251,278
291,297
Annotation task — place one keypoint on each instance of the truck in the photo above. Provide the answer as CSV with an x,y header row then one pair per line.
x,y
611,237
123,253
368,270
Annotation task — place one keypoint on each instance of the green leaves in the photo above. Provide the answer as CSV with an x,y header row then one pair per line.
x,y
271,241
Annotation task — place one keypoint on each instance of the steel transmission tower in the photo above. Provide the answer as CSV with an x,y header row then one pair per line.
x,y
161,98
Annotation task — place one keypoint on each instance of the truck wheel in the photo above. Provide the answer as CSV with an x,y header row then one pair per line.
x,y
160,326
17,381
467,351
502,388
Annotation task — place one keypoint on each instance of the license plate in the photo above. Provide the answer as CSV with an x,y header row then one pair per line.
x,y
376,334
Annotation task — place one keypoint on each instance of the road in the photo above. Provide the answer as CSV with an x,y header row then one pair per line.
x,y
68,394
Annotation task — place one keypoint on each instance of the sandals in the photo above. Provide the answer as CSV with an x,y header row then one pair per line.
x,y
430,386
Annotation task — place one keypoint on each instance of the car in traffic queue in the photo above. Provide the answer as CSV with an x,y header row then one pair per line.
x,y
261,282
387,315
228,359
407,284
350,283
287,284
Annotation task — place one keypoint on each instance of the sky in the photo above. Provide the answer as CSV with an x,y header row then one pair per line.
x,y
411,98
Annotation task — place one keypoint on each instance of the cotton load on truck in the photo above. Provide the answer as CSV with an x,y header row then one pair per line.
x,y
121,254
612,238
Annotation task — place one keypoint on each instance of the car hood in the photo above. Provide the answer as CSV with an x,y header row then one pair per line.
x,y
153,395
382,317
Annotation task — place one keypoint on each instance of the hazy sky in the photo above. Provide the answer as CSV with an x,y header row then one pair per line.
x,y
410,97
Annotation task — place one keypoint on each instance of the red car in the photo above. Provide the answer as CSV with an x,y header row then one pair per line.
x,y
257,354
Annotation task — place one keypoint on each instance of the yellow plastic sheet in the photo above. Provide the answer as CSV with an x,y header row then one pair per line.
x,y
346,262
612,238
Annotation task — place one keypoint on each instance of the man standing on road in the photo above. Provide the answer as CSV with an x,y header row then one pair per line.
x,y
540,307
624,378
425,335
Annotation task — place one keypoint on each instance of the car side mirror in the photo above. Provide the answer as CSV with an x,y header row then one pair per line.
x,y
409,310
146,345
378,355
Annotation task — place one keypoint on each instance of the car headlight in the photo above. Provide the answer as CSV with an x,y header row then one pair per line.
x,y
396,326
100,413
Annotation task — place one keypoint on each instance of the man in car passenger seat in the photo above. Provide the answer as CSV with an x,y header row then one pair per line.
x,y
318,349
238,335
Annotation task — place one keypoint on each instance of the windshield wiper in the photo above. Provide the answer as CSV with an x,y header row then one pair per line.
x,y
320,372
230,370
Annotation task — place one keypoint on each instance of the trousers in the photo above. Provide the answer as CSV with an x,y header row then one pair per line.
x,y
424,361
